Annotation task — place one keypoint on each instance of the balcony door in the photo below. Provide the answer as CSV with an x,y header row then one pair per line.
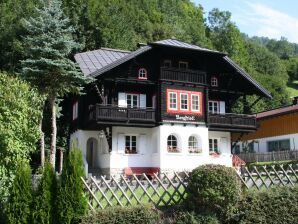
x,y
132,100
213,107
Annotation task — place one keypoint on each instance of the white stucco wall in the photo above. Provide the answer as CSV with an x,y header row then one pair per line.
x,y
261,144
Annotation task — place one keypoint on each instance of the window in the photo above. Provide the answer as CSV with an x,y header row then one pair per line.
x,y
193,145
183,101
213,107
172,100
279,145
75,108
142,73
214,81
130,144
167,63
132,100
183,65
213,145
195,102
172,144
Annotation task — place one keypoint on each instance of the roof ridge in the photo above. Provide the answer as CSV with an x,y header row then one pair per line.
x,y
113,49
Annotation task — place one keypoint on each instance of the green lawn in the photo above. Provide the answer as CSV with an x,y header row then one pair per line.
x,y
142,196
293,88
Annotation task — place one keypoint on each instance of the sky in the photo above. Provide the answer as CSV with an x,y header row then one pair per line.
x,y
268,18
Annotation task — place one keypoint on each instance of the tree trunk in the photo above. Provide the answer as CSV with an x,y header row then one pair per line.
x,y
54,133
61,161
41,142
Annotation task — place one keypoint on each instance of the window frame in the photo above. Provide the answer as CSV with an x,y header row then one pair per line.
x,y
279,144
182,104
214,81
132,95
130,149
75,110
170,148
183,63
145,77
179,108
199,102
213,145
193,148
167,61
218,106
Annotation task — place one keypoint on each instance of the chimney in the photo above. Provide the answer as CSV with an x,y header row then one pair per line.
x,y
295,100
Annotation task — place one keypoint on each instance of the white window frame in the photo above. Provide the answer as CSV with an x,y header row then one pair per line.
x,y
213,103
185,94
132,95
169,63
214,81
195,147
212,148
169,97
183,63
170,148
142,73
199,102
75,110
130,144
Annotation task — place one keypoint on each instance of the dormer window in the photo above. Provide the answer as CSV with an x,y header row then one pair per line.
x,y
167,63
183,64
214,81
142,74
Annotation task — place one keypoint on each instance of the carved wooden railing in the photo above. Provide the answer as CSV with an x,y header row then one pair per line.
x,y
182,75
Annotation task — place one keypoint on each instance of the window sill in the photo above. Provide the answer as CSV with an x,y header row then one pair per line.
x,y
175,153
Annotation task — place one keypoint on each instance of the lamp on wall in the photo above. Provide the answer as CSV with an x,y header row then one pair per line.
x,y
101,134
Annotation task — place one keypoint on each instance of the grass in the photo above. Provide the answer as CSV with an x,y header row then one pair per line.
x,y
166,195
293,88
285,162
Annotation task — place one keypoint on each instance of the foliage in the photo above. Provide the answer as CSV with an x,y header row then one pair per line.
x,y
17,208
285,162
274,205
71,202
125,215
186,217
44,199
19,115
213,187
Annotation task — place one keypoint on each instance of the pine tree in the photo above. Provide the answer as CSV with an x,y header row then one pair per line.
x,y
17,208
71,202
48,44
44,200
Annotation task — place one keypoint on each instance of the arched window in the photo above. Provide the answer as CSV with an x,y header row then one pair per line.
x,y
193,145
214,81
142,73
172,143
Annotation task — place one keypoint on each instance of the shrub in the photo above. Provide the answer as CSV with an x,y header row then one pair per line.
x,y
43,206
195,218
17,208
145,214
214,187
275,205
71,202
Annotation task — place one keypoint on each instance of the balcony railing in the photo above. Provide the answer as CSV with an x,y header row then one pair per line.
x,y
233,120
100,112
182,75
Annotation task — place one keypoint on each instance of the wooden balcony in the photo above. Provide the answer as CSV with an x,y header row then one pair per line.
x,y
182,75
108,113
232,121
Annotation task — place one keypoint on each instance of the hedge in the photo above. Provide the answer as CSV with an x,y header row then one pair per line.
x,y
145,214
275,205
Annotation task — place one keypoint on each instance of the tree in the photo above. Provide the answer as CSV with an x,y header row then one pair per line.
x,y
17,208
48,44
71,204
44,200
20,110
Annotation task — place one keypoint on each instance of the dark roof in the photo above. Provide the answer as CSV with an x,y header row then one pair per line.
x,y
180,44
247,76
278,111
92,61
